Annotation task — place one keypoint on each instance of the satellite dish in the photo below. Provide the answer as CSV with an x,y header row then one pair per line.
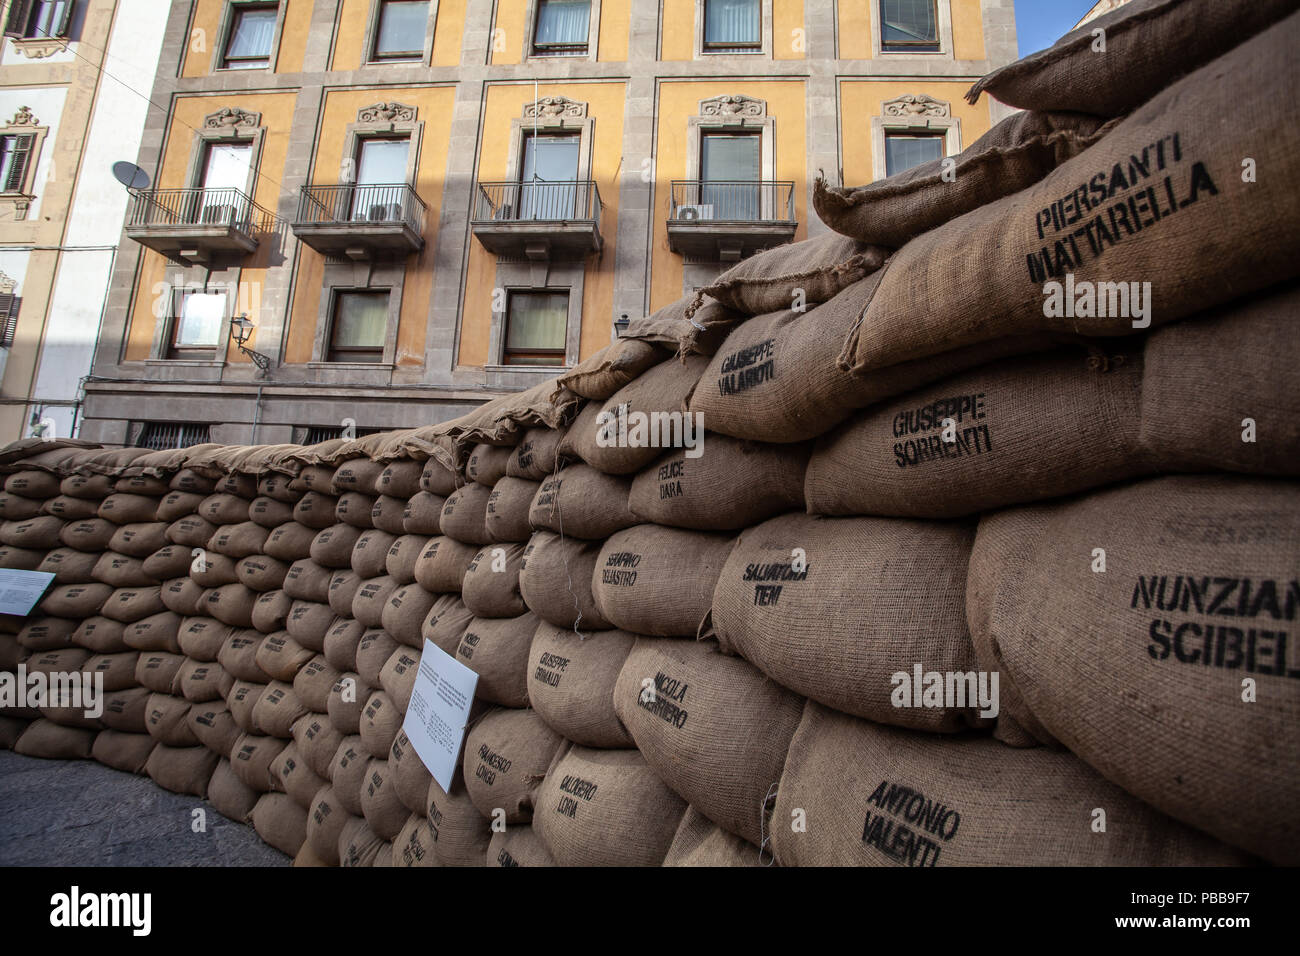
x,y
130,175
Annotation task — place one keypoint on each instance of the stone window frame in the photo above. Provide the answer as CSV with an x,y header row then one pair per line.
x,y
228,23
725,114
24,123
368,58
164,325
532,9
39,48
522,275
227,125
344,276
385,120
913,112
553,114
943,12
766,26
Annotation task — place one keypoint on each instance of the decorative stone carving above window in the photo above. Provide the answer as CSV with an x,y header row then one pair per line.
x,y
232,118
386,113
733,105
7,284
38,48
916,104
24,117
554,107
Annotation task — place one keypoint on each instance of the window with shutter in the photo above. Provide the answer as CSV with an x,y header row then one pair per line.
x,y
8,318
15,153
19,14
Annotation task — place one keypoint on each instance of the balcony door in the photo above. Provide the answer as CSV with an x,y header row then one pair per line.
x,y
729,175
548,177
381,179
225,177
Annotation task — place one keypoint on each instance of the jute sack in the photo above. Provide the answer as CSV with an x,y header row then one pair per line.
x,y
239,540
127,710
1147,44
307,857
371,598
142,484
373,651
347,771
91,535
1020,430
316,477
1164,188
413,846
139,539
1013,155
231,604
360,846
32,484
354,509
99,635
190,532
128,509
775,378
404,614
315,510
267,512
491,584
159,671
807,272
277,709
1197,595
332,548
464,515
639,584
389,514
580,501
11,728
714,728
46,634
280,822
518,846
15,508
442,565
39,533
203,637
238,655
487,463
116,670
168,562
380,722
400,479
157,632
75,600
187,479
295,776
877,796
506,756
318,741
507,509
606,808
342,591
95,487
497,650
409,774
243,697
341,642
277,488
604,373
555,580
238,484
446,622
357,474
314,681
290,542
1202,377
46,739
571,683
213,570
399,563
251,758
701,842
121,571
182,769
436,478
460,834
397,676
233,798
21,559
618,450
692,325
370,553
732,485
280,657
213,726
380,804
261,574
836,608
423,514
219,509
64,506
203,681
325,820
125,752
535,456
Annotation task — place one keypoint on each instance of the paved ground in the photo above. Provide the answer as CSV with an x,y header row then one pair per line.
x,y
81,813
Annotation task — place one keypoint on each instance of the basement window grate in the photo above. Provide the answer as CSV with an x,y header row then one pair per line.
x,y
164,436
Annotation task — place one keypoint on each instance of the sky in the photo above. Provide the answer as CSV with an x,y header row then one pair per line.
x,y
1040,23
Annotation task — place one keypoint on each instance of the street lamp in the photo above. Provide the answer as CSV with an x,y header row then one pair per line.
x,y
241,329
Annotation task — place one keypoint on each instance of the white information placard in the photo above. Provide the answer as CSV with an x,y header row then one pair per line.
x,y
439,711
20,590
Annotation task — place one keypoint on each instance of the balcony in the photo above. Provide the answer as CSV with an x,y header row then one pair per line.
x,y
727,221
361,222
538,220
194,225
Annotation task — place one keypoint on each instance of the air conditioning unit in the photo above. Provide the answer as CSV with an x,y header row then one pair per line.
x,y
218,214
504,211
385,212
695,212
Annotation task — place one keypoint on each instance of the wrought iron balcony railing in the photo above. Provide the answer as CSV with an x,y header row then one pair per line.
x,y
174,209
695,200
576,201
395,203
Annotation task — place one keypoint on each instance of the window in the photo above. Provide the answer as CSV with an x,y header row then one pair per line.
x,y
731,25
562,27
15,155
315,434
35,19
381,178
225,176
252,30
536,324
399,34
729,175
164,436
909,26
548,176
359,328
905,150
196,324
9,304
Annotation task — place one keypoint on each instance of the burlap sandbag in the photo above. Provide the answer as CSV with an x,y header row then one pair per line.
x,y
168,562
20,559
281,657
44,738
213,570
373,651
190,532
1019,430
325,820
1211,383
46,633
400,479
277,487
128,509
436,478
347,771
213,726
582,502
389,514
491,584
159,671
442,565
639,583
380,722
413,846
357,474
360,846
157,632
91,535
314,681
409,774
239,540
64,506
290,542
497,650
446,622
182,769
280,822
855,793
102,636
508,506
833,608
606,808
126,752
184,596
1013,155
487,463
380,804
122,571
332,547
266,512
506,756
399,563
315,510
692,325
404,615
535,456
555,577
314,477
202,681
95,487
277,709
371,598
127,710
260,573
238,655
15,508
370,553
464,515
354,509
1167,203
1145,45
518,845
341,640
571,683
39,533
75,600
295,777
715,728
604,373
460,834
243,697
423,514
117,671
232,797
342,591
32,484
1195,599
734,484
701,842
231,604
397,676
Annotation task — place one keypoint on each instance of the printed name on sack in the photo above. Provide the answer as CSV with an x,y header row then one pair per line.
x,y
961,431
490,763
1251,646
580,790
550,668
747,367
766,594
902,813
617,570
666,700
